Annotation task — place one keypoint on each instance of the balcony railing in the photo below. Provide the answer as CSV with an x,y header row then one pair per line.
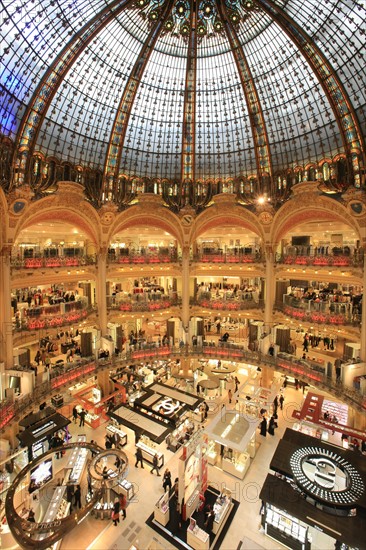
x,y
228,258
305,312
230,304
51,316
145,303
144,257
54,262
306,371
320,261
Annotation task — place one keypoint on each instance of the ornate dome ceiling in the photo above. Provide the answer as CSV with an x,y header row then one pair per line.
x,y
181,89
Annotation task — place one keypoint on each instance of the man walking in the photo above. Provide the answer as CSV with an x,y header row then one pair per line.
x,y
155,465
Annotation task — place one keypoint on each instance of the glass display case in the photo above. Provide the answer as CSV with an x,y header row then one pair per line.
x,y
222,508
113,429
76,463
161,509
286,529
212,453
126,488
236,463
197,538
58,508
148,449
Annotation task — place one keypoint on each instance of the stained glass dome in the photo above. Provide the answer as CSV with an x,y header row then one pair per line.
x,y
183,90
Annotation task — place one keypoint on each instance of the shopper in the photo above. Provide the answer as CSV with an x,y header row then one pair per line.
x,y
31,516
263,426
272,425
230,395
75,414
209,521
275,406
167,480
155,465
282,399
77,496
123,504
305,343
115,512
82,418
70,494
138,455
338,368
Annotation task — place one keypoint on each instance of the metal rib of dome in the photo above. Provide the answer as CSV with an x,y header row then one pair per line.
x,y
178,90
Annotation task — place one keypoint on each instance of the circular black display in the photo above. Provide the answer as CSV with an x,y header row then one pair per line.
x,y
326,476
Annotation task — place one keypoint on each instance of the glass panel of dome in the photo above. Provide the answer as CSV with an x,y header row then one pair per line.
x,y
87,101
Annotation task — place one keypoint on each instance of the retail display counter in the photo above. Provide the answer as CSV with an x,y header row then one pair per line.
x,y
222,509
285,529
58,508
211,453
112,429
161,509
125,488
180,435
237,466
93,420
76,463
197,538
149,452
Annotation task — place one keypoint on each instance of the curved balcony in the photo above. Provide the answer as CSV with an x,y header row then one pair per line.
x,y
307,371
228,304
143,302
324,315
159,256
302,260
53,316
53,262
221,257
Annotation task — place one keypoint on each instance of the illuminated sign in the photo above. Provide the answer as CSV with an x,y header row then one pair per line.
x,y
327,476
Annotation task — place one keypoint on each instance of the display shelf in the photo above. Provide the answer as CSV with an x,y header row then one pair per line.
x,y
148,453
197,538
286,529
338,410
111,428
125,488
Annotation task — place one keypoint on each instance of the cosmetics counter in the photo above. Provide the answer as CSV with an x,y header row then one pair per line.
x,y
222,508
180,435
285,529
148,449
224,451
311,429
93,420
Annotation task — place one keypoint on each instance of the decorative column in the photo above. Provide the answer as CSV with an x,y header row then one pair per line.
x,y
363,317
269,287
6,327
101,289
185,287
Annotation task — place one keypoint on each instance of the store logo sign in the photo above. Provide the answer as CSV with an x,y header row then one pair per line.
x,y
327,476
